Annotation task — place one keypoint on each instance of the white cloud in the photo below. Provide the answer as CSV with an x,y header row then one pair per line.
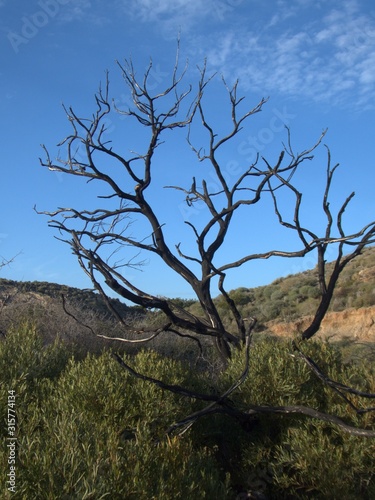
x,y
322,51
167,16
330,57
168,12
75,11
154,10
87,11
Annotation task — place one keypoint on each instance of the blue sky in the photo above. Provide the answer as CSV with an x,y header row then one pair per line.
x,y
314,59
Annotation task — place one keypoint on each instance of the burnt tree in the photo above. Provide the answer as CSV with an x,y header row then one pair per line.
x,y
95,236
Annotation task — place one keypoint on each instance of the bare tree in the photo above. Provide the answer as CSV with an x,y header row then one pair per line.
x,y
97,236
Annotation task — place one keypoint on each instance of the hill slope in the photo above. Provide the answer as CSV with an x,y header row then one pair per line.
x,y
41,303
281,307
37,290
286,304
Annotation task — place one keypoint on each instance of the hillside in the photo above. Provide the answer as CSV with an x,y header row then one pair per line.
x,y
282,307
41,303
37,290
297,295
354,324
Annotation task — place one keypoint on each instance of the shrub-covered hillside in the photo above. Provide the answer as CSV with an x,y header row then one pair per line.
x,y
297,295
87,299
286,299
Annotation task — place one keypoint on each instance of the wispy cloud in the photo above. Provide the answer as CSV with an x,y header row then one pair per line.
x,y
82,10
169,15
76,10
330,59
322,51
287,9
165,10
87,11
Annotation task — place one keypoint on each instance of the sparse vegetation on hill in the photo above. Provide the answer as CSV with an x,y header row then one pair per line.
x,y
286,299
297,295
87,299
42,304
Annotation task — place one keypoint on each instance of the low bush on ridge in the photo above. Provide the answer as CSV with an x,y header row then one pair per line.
x,y
88,429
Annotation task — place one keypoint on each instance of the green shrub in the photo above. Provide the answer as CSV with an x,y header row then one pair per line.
x,y
96,432
24,347
295,456
89,429
317,461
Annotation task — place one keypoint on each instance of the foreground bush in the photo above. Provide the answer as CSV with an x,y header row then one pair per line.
x,y
96,432
88,429
295,456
